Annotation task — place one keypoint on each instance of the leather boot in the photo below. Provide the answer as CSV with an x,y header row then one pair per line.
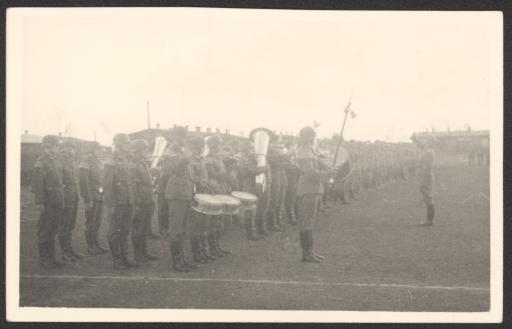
x,y
203,240
67,256
217,243
116,256
307,252
196,250
124,255
138,254
75,254
191,266
99,247
177,264
311,246
145,252
292,220
212,246
249,227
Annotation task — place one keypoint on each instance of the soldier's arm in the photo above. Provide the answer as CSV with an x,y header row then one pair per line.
x,y
38,183
84,184
108,181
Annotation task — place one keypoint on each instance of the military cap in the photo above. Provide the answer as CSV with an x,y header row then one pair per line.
x,y
196,142
121,139
214,140
307,133
139,145
51,140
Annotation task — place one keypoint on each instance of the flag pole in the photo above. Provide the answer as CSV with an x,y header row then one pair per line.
x,y
147,110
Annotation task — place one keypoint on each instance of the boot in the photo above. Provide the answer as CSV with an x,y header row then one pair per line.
x,y
307,251
116,256
430,216
138,253
191,266
177,264
203,240
217,243
47,261
292,220
75,254
212,246
272,223
196,250
67,256
249,227
124,255
144,244
99,247
311,246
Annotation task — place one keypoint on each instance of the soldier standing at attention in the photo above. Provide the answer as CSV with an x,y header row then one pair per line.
x,y
143,203
427,178
119,200
91,191
179,192
199,222
292,177
49,197
67,157
219,180
248,170
163,207
309,191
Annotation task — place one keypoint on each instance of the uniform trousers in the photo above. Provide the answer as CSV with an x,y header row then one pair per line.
x,y
119,227
93,218
142,221
163,213
262,210
67,225
178,214
47,227
307,206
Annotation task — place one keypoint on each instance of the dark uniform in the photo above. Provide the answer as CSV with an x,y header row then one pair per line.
x,y
143,203
309,191
48,190
277,163
218,179
292,178
248,170
91,191
71,198
119,200
427,183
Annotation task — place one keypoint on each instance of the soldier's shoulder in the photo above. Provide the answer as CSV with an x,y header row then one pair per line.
x,y
305,153
41,161
109,160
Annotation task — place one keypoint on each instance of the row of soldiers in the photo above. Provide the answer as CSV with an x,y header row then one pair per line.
x,y
298,178
129,192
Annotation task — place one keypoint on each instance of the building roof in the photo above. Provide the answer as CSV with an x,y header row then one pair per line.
x,y
453,134
31,139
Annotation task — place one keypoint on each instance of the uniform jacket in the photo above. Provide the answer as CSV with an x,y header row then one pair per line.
x,y
47,183
217,174
427,172
117,180
142,182
179,185
313,176
89,177
199,175
70,181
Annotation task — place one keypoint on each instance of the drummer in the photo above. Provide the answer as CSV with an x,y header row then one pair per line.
x,y
219,181
200,223
248,170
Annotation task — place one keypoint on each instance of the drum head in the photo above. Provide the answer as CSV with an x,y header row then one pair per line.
x,y
244,196
206,198
226,199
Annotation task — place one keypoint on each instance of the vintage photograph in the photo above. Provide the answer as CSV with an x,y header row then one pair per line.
x,y
201,159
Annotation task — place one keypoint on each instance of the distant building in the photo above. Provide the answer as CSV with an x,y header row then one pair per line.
x,y
458,141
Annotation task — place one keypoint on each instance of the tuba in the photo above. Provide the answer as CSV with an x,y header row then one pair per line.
x,y
261,138
158,150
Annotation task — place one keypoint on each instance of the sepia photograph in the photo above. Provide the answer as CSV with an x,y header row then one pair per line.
x,y
248,165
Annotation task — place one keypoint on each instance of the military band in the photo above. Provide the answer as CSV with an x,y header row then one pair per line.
x,y
200,186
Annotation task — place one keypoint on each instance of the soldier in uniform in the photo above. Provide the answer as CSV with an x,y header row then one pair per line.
x,y
219,180
248,170
292,177
276,163
91,191
48,190
67,157
163,207
179,192
143,208
119,200
427,178
199,222
309,190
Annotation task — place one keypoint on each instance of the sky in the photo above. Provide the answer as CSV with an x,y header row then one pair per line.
x,y
91,73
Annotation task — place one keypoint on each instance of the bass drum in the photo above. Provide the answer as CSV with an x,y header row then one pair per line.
x,y
207,204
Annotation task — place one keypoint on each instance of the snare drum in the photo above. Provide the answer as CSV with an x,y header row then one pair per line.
x,y
207,204
230,205
247,200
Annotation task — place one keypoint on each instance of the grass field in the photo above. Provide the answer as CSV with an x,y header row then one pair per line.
x,y
378,259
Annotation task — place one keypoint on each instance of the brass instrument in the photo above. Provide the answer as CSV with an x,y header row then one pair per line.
x,y
261,138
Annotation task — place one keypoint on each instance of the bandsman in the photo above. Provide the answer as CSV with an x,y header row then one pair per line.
x,y
48,190
91,192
